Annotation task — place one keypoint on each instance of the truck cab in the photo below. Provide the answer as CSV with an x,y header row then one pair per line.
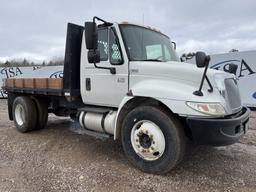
x,y
126,81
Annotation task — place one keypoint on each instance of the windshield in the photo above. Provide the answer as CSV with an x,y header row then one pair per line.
x,y
145,44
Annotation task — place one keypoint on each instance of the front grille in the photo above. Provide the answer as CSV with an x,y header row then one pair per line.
x,y
233,95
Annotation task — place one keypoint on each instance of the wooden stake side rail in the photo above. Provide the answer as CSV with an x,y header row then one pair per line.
x,y
35,85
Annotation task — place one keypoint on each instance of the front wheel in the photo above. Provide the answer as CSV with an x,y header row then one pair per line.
x,y
152,140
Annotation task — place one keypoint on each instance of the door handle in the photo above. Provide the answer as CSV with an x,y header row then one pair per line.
x,y
88,84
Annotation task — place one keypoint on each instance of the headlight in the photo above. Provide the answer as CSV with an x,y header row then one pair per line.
x,y
219,80
207,108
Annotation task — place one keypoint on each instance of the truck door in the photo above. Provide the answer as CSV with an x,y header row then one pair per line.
x,y
102,87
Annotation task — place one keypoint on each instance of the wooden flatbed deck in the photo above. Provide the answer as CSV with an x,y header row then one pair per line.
x,y
45,86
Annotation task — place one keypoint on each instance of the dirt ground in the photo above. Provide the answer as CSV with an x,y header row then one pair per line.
x,y
62,158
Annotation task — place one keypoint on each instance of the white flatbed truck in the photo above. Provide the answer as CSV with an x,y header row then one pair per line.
x,y
125,81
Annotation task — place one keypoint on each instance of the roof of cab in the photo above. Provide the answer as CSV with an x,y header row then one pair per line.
x,y
147,27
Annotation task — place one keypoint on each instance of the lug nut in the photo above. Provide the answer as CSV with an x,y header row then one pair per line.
x,y
139,134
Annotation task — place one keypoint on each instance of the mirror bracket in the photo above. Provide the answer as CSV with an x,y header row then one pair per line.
x,y
111,69
199,91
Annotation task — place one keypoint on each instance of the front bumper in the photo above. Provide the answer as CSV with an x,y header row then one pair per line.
x,y
219,131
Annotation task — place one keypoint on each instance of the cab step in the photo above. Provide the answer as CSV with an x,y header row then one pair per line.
x,y
96,109
76,127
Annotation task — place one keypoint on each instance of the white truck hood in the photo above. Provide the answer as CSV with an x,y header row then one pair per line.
x,y
175,71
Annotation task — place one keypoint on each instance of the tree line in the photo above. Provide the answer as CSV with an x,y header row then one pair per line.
x,y
26,62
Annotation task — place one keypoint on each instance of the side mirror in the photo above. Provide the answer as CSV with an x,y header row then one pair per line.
x,y
91,35
93,56
185,57
232,68
202,59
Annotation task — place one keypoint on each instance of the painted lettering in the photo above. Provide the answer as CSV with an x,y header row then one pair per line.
x,y
245,67
36,67
3,94
58,74
11,72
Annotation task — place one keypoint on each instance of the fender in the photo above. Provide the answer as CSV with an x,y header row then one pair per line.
x,y
172,94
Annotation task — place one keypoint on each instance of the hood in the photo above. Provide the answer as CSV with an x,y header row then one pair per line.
x,y
187,72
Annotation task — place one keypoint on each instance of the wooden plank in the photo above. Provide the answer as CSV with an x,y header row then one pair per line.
x,y
35,83
28,83
19,83
41,83
55,83
9,82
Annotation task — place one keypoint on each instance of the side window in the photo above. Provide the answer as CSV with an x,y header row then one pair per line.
x,y
115,53
103,44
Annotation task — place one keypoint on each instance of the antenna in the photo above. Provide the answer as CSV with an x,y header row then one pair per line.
x,y
142,19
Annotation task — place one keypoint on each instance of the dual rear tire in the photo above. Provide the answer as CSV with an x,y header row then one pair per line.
x,y
29,114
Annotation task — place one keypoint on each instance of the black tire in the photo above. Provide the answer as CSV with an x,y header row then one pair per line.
x,y
29,113
42,111
174,139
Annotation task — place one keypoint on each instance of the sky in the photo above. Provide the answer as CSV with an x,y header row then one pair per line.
x,y
36,29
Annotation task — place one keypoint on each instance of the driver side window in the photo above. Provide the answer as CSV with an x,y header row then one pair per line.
x,y
103,44
108,46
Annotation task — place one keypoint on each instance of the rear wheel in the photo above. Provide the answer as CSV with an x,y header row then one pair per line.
x,y
152,140
24,114
42,111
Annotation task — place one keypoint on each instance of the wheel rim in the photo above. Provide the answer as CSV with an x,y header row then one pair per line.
x,y
19,114
148,140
